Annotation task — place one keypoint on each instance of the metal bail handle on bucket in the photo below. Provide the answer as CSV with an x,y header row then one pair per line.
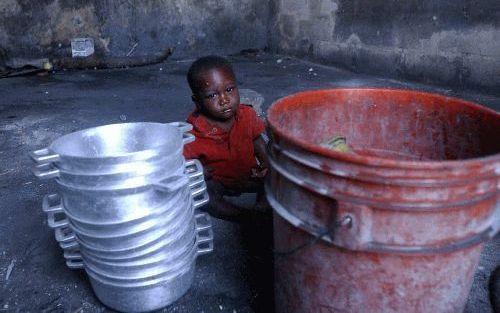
x,y
370,230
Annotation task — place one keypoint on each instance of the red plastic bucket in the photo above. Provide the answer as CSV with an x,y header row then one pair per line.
x,y
397,226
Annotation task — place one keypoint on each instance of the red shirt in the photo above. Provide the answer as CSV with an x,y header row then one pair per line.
x,y
229,153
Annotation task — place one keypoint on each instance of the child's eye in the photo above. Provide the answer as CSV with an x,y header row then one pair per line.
x,y
230,89
212,95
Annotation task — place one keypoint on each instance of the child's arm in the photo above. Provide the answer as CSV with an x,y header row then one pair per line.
x,y
259,146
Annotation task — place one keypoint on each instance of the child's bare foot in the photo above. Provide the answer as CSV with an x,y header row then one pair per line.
x,y
220,208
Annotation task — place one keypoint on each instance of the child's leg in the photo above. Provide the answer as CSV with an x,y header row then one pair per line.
x,y
220,208
257,186
262,204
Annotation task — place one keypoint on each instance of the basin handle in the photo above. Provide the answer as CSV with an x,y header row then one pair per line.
x,y
44,156
54,211
204,234
64,234
202,221
70,245
187,138
67,240
172,183
204,199
199,190
73,255
183,126
196,181
193,168
200,196
45,171
55,222
47,207
193,176
75,264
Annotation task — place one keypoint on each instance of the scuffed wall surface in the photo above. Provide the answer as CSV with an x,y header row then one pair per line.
x,y
455,43
44,28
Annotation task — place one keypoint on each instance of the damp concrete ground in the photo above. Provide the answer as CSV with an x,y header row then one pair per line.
x,y
36,110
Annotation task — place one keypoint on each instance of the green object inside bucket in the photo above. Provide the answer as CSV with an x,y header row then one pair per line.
x,y
337,143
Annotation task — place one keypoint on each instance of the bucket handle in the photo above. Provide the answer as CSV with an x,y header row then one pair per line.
x,y
326,234
373,246
44,156
362,234
204,234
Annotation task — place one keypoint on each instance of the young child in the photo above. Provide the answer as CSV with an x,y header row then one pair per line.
x,y
228,141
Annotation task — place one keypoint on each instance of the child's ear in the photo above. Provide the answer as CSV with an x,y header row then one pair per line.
x,y
196,102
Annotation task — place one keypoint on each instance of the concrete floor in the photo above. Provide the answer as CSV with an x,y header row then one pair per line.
x,y
36,110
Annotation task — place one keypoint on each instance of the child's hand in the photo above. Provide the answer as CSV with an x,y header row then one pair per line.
x,y
259,172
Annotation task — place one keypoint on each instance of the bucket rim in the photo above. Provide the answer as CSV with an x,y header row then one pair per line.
x,y
372,160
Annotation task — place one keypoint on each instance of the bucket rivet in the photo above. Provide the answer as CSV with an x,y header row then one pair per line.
x,y
346,221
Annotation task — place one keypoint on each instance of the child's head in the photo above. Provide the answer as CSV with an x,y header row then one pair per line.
x,y
214,87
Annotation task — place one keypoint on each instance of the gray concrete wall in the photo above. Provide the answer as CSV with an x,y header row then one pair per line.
x,y
44,28
454,43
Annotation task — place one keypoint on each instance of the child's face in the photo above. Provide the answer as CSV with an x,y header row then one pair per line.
x,y
217,94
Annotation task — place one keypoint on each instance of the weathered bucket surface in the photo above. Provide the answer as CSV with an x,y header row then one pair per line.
x,y
396,226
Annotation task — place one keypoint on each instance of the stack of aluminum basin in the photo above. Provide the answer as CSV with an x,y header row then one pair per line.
x,y
125,210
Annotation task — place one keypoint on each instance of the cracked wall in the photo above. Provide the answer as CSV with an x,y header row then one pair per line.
x,y
44,28
453,43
